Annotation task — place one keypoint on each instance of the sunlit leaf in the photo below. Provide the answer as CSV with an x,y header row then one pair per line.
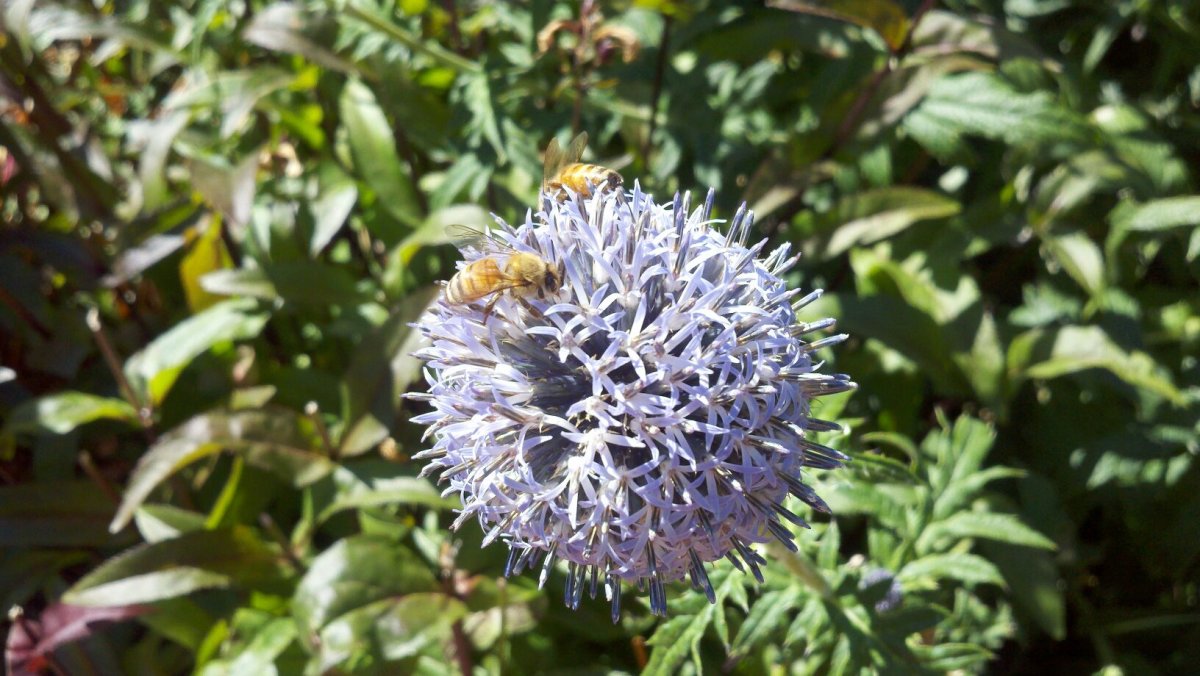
x,y
206,254
63,412
273,439
375,158
176,567
154,370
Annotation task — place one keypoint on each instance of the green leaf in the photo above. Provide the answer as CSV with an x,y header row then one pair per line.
x,y
176,567
281,27
54,514
354,573
1081,258
382,369
873,215
1035,582
374,150
306,282
390,630
1072,349
272,439
206,253
983,104
966,568
331,209
999,527
391,491
766,617
164,522
63,412
885,17
1157,215
677,638
154,369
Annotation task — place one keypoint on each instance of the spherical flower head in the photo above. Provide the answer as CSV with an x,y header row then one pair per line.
x,y
650,416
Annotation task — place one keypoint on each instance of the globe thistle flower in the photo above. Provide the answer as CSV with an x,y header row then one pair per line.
x,y
649,417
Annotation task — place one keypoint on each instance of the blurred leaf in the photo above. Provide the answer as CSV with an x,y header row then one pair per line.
x,y
332,208
393,491
434,232
882,16
153,370
306,282
677,638
873,215
1163,214
206,254
766,617
967,568
164,522
260,639
54,514
281,27
272,439
1035,583
134,261
31,641
374,149
381,371
1072,349
984,104
370,595
998,527
1081,258
229,189
176,567
63,412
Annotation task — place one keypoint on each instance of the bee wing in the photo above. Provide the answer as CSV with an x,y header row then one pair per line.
x,y
575,151
557,158
465,237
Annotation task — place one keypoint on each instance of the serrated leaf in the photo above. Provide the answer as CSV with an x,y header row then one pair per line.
x,y
154,369
991,526
966,568
766,616
176,567
272,439
984,104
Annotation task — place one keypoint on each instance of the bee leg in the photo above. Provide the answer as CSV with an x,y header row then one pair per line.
x,y
531,309
491,304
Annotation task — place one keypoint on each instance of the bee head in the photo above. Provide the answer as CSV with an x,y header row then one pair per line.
x,y
553,280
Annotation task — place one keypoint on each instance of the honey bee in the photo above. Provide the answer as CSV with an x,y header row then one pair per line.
x,y
504,269
564,170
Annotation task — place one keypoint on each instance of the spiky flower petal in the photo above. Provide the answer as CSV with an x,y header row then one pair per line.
x,y
650,417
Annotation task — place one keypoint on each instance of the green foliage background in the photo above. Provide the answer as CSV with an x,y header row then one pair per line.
x,y
219,217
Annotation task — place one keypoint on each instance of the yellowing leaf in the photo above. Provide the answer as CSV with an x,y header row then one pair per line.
x,y
206,254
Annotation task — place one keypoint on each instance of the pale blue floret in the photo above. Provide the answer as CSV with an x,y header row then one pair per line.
x,y
648,418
